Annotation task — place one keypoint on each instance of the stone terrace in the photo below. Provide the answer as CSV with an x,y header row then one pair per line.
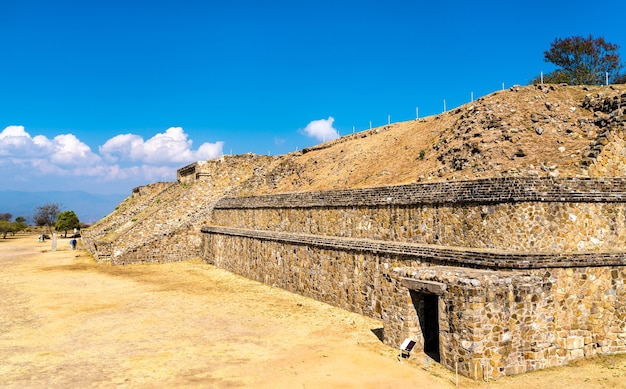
x,y
408,255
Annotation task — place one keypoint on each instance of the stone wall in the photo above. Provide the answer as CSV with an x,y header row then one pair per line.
x,y
514,274
494,323
172,246
434,254
507,321
606,155
513,214
187,174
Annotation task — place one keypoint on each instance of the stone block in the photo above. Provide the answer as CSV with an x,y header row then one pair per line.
x,y
514,369
574,342
576,354
590,350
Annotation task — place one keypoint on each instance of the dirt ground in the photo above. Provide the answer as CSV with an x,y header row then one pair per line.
x,y
67,321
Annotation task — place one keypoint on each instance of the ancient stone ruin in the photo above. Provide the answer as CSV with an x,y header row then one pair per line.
x,y
498,246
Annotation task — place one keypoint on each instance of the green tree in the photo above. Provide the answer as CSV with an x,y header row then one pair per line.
x,y
5,227
46,215
19,224
67,220
583,61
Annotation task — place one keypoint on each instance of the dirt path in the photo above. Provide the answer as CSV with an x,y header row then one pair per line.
x,y
67,321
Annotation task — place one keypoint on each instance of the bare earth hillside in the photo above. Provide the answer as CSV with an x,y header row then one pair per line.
x,y
527,131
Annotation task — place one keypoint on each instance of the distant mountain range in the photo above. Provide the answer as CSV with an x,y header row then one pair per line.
x,y
88,207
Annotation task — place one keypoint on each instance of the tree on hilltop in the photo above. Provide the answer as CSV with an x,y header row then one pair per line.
x,y
582,61
67,220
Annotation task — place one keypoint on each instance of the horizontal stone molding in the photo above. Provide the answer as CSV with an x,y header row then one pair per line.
x,y
435,254
486,191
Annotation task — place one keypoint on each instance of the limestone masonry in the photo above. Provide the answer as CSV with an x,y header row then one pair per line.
x,y
495,265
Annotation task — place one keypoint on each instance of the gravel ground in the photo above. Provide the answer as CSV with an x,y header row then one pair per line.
x,y
70,322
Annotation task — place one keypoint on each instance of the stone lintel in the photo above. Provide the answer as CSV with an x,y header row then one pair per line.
x,y
433,287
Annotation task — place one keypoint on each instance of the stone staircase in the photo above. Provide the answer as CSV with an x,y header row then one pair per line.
x,y
162,222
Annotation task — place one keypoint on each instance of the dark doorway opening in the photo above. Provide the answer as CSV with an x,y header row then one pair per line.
x,y
427,307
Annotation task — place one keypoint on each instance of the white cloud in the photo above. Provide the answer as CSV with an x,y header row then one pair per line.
x,y
148,173
69,151
17,144
125,147
171,147
37,162
322,129
209,151
13,132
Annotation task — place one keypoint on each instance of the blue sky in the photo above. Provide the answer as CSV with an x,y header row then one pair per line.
x,y
103,96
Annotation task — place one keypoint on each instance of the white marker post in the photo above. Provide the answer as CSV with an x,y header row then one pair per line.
x,y
444,105
607,78
417,113
472,97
